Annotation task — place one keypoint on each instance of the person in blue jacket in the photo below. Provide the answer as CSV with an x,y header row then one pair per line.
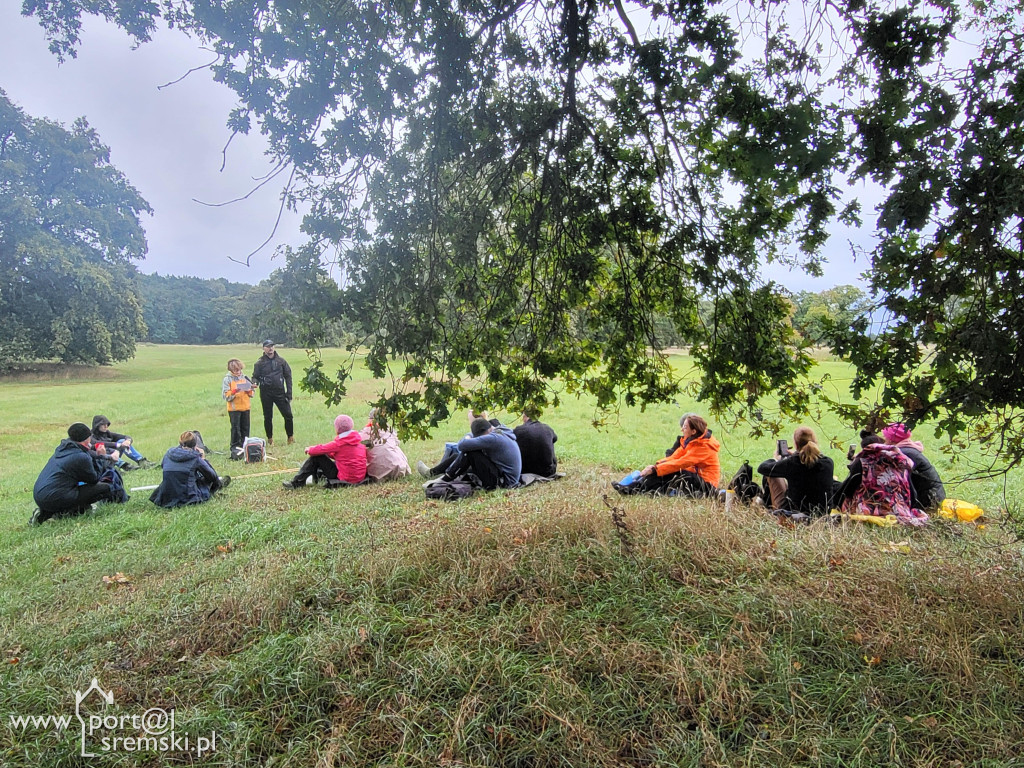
x,y
491,454
188,476
70,482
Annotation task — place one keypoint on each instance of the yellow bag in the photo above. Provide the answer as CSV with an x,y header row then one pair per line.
x,y
959,509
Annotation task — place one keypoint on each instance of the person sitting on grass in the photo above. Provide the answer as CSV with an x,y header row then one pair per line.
x,y
923,476
70,483
879,484
114,441
188,477
339,462
691,470
536,442
385,458
451,451
800,481
489,455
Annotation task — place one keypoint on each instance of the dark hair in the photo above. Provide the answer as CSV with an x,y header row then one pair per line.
x,y
806,443
479,427
697,423
869,438
187,439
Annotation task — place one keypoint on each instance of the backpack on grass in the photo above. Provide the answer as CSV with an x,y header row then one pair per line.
x,y
254,449
449,490
743,483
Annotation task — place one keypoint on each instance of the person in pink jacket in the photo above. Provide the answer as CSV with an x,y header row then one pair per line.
x,y
341,461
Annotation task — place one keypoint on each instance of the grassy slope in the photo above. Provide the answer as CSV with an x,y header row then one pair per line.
x,y
370,627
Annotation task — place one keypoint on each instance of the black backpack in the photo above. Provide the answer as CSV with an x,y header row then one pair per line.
x,y
743,483
449,490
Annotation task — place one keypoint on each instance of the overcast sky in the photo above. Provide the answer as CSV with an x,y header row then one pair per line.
x,y
168,142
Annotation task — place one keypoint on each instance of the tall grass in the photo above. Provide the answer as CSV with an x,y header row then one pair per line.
x,y
372,627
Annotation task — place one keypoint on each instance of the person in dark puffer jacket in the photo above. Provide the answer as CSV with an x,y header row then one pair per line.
x,y
188,477
69,483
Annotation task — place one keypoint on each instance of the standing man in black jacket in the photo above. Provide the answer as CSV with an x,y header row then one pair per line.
x,y
273,377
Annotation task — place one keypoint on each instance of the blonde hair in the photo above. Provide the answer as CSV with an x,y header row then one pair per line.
x,y
187,439
235,360
806,443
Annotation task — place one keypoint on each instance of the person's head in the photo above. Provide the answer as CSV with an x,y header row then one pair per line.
x,y
806,444
101,423
693,425
235,366
187,439
530,413
343,423
480,426
79,432
870,439
896,433
268,348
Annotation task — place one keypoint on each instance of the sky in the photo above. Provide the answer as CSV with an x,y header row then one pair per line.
x,y
168,142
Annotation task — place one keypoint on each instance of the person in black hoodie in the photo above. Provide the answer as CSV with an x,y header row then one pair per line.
x,y
70,482
115,441
188,476
273,377
801,481
536,442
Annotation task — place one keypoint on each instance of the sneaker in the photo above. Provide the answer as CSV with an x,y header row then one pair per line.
x,y
145,463
225,481
288,485
423,469
290,439
36,518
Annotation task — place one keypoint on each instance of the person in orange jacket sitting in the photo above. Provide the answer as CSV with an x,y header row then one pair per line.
x,y
339,462
692,469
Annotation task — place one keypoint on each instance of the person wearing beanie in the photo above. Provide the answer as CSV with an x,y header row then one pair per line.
x,y
70,482
339,462
925,478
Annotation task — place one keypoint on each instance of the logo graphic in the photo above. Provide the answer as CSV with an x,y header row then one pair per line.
x,y
104,732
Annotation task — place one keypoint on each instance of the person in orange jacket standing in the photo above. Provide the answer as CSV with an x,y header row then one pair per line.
x,y
237,391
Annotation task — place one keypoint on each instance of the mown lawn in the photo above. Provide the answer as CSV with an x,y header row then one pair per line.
x,y
371,627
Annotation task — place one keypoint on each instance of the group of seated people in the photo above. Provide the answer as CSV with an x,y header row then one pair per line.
x,y
83,471
491,455
889,476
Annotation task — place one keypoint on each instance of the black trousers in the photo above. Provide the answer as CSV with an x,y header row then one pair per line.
x,y
86,496
316,467
479,464
684,483
239,428
280,399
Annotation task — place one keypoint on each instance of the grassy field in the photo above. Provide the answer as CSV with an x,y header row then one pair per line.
x,y
368,626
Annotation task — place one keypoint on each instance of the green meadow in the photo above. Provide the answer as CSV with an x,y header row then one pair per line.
x,y
371,627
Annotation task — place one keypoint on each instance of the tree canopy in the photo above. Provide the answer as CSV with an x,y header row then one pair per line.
x,y
495,177
69,233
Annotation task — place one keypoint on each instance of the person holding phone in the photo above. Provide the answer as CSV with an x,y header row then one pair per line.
x,y
800,480
237,391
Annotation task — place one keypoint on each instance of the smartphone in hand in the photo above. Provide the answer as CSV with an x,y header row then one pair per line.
x,y
782,447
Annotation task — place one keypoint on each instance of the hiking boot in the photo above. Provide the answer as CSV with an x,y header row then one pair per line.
x,y
145,463
288,485
270,441
291,439
423,469
36,518
225,482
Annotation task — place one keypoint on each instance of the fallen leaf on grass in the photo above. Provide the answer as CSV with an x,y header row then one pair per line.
x,y
117,578
63,559
13,660
797,665
835,562
873,661
902,547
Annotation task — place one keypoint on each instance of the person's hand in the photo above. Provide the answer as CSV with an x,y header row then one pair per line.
x,y
101,449
647,470
126,442
202,455
115,455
